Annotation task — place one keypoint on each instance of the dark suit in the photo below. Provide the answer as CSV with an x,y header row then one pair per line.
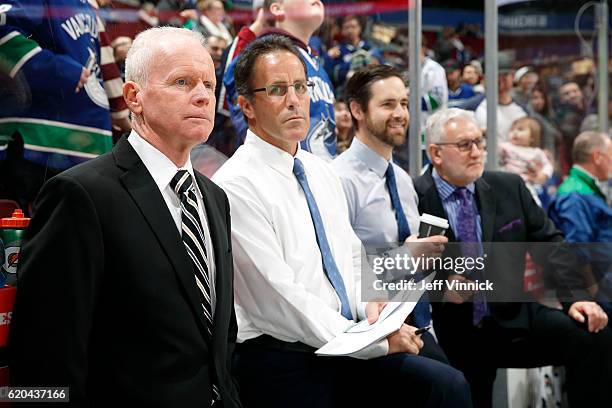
x,y
519,333
107,302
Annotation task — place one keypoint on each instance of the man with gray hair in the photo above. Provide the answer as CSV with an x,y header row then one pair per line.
x,y
482,331
581,211
125,281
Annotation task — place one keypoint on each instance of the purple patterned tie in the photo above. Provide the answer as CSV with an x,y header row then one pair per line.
x,y
470,245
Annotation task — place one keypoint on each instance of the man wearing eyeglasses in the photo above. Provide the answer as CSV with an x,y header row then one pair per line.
x,y
297,262
483,330
296,20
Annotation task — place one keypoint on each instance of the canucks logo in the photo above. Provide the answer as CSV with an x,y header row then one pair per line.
x,y
321,138
93,88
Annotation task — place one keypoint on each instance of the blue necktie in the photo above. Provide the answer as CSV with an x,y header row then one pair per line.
x,y
403,230
329,265
421,313
470,245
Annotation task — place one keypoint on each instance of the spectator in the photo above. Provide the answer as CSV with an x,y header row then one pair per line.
x,y
210,21
538,101
353,52
215,46
434,89
168,11
344,126
569,115
327,36
434,96
522,155
63,68
591,122
525,80
582,213
507,109
225,134
297,259
457,90
478,333
148,16
538,109
113,82
450,46
297,22
571,94
121,46
472,75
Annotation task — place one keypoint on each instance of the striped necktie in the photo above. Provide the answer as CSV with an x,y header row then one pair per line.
x,y
193,239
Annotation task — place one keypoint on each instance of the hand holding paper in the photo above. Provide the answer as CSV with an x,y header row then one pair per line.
x,y
390,320
373,310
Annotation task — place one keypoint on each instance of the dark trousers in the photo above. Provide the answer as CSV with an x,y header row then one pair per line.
x,y
550,338
270,375
432,349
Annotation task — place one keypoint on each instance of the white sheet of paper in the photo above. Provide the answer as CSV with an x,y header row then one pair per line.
x,y
360,336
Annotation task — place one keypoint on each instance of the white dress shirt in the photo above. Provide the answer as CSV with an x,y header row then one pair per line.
x,y
162,169
362,172
280,286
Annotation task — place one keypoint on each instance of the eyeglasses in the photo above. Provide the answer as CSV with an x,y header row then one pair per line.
x,y
466,145
279,90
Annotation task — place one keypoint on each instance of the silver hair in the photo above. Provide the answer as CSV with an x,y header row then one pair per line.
x,y
585,143
434,127
145,47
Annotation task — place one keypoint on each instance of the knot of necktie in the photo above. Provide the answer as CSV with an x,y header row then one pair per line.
x,y
298,168
463,193
390,173
181,182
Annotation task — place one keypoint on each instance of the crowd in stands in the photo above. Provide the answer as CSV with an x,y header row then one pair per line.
x,y
560,99
62,102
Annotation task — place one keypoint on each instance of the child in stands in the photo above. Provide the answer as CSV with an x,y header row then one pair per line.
x,y
522,155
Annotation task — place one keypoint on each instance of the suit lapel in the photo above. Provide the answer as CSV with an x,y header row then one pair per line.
x,y
487,204
142,188
433,203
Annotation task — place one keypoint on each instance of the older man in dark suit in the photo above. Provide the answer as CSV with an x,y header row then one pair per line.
x,y
125,286
482,331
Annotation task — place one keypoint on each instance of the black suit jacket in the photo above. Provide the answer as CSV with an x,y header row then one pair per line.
x,y
508,215
107,303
